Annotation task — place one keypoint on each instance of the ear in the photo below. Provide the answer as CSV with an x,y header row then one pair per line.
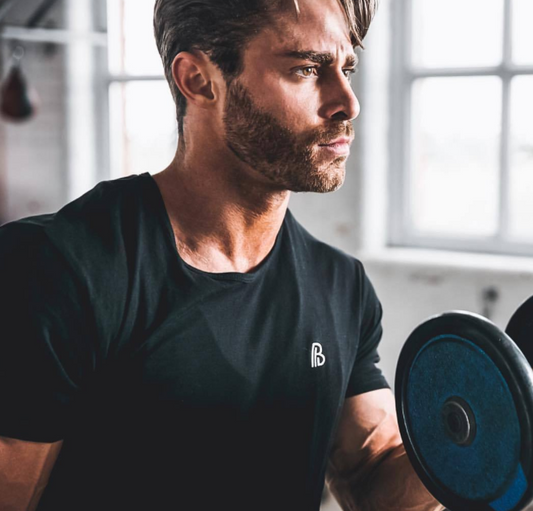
x,y
197,78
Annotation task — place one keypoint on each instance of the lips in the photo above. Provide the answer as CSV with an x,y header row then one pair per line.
x,y
338,141
338,147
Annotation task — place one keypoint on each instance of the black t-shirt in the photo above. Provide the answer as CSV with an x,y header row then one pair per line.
x,y
171,387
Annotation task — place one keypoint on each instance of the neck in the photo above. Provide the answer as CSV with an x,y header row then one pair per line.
x,y
224,218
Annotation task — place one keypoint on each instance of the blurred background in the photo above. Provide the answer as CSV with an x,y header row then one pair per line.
x,y
438,199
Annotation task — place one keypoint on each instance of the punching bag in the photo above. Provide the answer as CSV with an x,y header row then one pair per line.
x,y
18,102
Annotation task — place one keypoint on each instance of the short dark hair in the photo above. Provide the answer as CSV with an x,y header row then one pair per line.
x,y
222,29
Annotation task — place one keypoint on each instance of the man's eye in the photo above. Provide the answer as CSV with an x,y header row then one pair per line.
x,y
307,72
349,72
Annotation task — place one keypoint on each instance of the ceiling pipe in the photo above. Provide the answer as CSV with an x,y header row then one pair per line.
x,y
40,13
5,6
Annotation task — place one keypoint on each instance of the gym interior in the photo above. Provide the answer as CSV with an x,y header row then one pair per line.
x,y
437,201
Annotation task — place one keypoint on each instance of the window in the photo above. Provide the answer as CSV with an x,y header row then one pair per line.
x,y
143,130
462,125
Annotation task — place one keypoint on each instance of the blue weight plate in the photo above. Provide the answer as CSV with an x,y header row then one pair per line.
x,y
464,395
520,328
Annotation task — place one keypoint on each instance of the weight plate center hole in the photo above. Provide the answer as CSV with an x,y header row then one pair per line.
x,y
459,421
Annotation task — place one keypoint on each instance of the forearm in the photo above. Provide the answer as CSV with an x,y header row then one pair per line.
x,y
390,484
25,468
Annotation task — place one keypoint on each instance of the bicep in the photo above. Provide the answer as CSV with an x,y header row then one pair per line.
x,y
25,469
367,431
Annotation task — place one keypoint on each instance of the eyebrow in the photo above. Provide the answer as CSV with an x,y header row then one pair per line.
x,y
319,57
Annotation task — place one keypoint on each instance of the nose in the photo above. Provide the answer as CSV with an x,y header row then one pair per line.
x,y
339,100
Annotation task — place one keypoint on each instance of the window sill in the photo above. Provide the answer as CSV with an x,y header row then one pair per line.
x,y
444,260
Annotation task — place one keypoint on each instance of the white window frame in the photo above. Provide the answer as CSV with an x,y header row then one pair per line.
x,y
404,74
115,156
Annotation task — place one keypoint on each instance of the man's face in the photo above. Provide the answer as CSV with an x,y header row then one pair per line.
x,y
294,99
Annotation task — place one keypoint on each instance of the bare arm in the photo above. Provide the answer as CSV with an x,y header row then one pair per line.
x,y
368,468
25,468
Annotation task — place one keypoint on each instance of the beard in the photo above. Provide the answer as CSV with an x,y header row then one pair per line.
x,y
285,158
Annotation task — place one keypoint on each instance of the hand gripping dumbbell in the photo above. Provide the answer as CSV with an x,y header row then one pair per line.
x,y
464,397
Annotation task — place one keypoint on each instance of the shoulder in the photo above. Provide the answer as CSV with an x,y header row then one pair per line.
x,y
324,258
84,229
100,217
84,246
85,255
38,283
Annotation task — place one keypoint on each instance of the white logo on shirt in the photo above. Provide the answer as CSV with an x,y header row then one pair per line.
x,y
317,357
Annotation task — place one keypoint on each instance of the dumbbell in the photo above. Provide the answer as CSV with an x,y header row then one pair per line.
x,y
464,398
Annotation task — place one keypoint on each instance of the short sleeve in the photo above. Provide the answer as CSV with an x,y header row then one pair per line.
x,y
366,375
45,348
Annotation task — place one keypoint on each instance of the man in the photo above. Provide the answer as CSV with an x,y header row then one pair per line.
x,y
181,342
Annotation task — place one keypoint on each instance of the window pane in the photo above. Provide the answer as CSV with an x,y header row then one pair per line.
x,y
143,127
457,33
521,172
132,48
455,156
522,33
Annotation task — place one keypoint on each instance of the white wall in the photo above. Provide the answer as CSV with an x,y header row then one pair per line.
x,y
413,290
33,153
